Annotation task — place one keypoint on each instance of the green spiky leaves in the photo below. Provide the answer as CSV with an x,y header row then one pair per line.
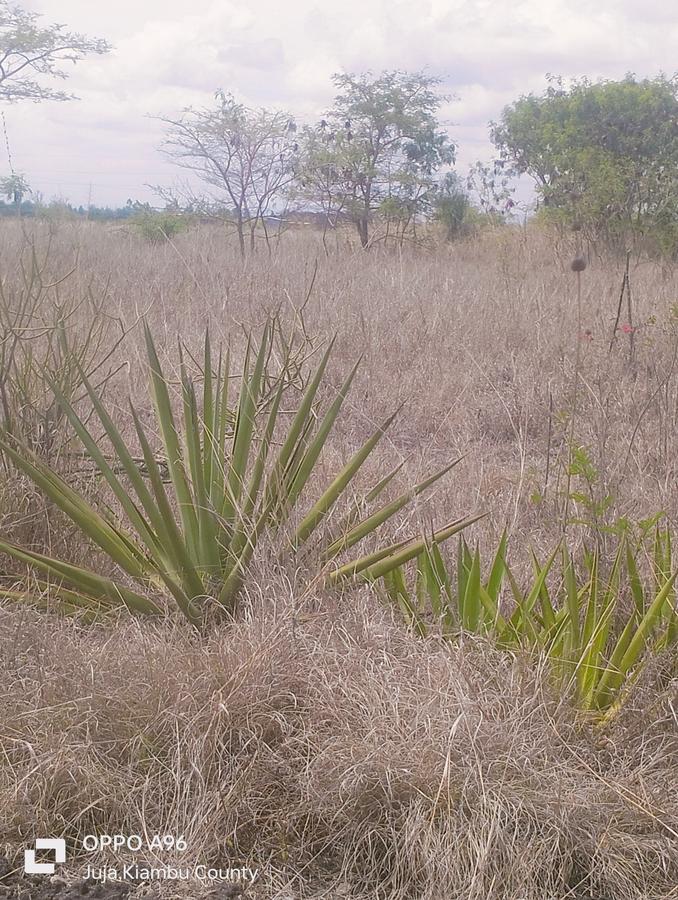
x,y
596,628
232,468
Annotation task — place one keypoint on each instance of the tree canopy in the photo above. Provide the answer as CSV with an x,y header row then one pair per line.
x,y
604,156
29,50
380,146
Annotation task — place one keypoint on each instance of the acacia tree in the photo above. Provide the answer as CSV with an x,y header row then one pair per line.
x,y
604,156
245,156
380,147
29,50
324,182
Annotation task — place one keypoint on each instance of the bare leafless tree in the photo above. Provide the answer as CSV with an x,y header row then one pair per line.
x,y
246,157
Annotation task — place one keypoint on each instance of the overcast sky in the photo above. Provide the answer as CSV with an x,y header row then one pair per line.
x,y
172,53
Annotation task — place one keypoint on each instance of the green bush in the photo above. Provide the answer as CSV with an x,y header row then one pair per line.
x,y
603,157
452,207
158,227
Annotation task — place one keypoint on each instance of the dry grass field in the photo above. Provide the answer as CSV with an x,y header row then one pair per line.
x,y
315,737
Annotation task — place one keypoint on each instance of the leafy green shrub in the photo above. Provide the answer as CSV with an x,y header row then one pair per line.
x,y
189,523
452,208
602,156
158,227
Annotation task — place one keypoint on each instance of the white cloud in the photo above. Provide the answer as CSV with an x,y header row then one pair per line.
x,y
169,54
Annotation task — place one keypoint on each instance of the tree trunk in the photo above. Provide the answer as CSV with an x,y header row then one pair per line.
x,y
325,225
241,233
364,216
265,230
363,230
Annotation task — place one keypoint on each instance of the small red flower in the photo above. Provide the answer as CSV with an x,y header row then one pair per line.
x,y
627,329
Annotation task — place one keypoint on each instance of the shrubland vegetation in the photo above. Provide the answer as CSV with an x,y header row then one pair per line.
x,y
603,157
355,567
551,645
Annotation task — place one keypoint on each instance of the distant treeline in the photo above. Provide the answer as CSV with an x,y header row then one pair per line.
x,y
31,209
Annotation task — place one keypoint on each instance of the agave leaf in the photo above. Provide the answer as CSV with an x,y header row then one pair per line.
x,y
498,569
349,520
175,460
358,566
299,425
147,528
470,603
177,561
548,613
208,411
671,635
573,608
631,644
85,582
635,582
245,536
516,592
46,593
426,584
493,618
69,603
442,578
113,541
312,453
206,544
463,569
397,591
264,449
440,573
372,522
335,489
239,538
592,662
250,392
377,569
216,438
555,638
591,613
521,620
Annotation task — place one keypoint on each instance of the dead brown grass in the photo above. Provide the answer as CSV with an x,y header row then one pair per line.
x,y
478,339
330,748
339,751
